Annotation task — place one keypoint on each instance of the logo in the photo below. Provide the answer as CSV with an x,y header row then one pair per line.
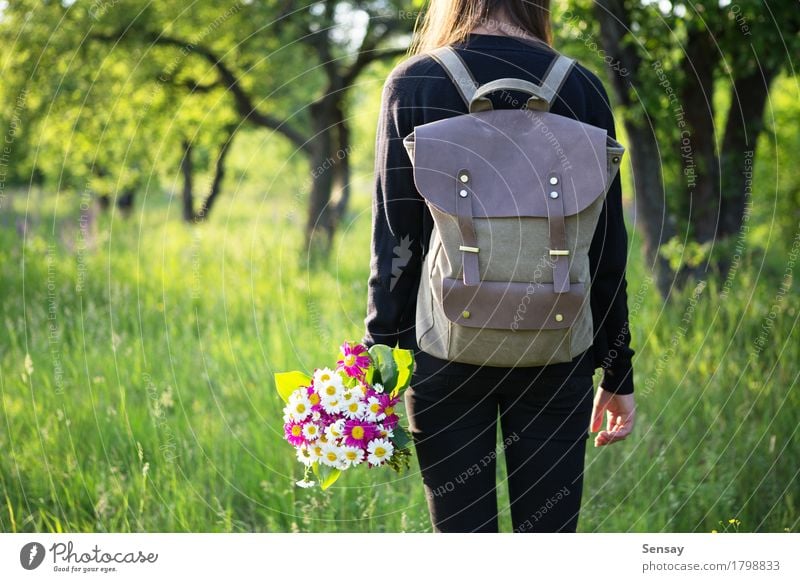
x,y
31,555
403,255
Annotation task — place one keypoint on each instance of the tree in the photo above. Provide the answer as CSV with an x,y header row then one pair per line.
x,y
664,66
250,57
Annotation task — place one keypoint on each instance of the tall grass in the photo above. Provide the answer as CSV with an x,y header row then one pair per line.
x,y
136,366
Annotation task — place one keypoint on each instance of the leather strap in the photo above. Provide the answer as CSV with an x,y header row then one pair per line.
x,y
457,70
469,242
555,76
544,94
482,103
558,234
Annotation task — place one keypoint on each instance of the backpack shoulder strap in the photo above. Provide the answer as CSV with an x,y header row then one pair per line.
x,y
467,86
558,71
457,70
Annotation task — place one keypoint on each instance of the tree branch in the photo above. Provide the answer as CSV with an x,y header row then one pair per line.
x,y
243,101
368,51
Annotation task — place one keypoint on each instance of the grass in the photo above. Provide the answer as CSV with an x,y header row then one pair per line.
x,y
136,366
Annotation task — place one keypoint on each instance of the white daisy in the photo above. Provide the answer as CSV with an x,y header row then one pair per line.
x,y
332,405
374,411
299,406
335,430
359,390
304,455
315,450
354,409
380,450
378,388
386,433
311,431
331,455
331,387
326,375
352,455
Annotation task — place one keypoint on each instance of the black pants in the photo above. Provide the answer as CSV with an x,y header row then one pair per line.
x,y
545,426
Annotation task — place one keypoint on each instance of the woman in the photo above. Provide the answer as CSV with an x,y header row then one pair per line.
x,y
545,412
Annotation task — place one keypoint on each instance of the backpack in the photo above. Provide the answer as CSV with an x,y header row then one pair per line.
x,y
515,196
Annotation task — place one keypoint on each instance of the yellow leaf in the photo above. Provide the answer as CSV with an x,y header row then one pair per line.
x,y
331,479
288,382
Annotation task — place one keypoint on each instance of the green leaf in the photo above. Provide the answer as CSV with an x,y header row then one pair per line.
x,y
325,475
288,382
401,438
369,374
331,478
404,362
385,366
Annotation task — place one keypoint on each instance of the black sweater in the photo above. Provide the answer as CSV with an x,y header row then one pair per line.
x,y
419,91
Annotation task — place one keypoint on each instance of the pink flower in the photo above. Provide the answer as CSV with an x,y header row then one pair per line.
x,y
354,359
294,433
358,433
389,406
313,396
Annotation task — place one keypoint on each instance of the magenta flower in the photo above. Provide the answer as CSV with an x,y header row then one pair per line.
x,y
294,433
358,433
354,359
313,396
389,406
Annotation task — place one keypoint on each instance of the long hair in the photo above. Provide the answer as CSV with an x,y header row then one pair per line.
x,y
450,21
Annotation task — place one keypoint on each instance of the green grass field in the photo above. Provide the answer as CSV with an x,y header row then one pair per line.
x,y
136,382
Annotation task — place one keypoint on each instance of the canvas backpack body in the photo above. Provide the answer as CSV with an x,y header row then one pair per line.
x,y
515,195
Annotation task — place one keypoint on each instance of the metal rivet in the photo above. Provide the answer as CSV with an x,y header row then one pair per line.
x,y
559,317
465,314
464,178
553,194
463,193
615,159
554,180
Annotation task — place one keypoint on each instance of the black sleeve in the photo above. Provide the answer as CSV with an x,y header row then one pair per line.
x,y
397,223
608,256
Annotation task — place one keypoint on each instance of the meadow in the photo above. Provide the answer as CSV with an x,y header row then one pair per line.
x,y
136,362
137,354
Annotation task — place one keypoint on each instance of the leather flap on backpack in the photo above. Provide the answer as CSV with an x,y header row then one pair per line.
x,y
508,154
511,306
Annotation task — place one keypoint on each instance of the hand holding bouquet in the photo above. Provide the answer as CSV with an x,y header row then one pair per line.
x,y
347,416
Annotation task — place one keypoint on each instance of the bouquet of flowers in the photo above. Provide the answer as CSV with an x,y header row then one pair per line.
x,y
346,416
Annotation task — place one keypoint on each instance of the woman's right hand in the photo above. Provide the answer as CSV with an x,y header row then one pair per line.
x,y
620,411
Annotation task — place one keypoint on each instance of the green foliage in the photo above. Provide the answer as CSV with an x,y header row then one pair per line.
x,y
114,89
392,368
165,357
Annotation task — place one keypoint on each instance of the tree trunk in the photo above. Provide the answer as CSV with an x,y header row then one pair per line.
x,y
699,162
187,170
320,223
745,123
657,225
342,175
125,201
219,174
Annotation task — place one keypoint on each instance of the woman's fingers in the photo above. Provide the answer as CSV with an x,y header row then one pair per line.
x,y
619,412
597,415
619,428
